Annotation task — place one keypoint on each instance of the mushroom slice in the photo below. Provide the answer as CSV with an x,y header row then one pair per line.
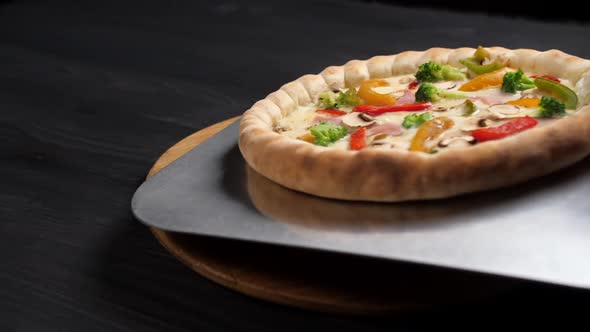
x,y
380,145
357,119
381,136
503,111
379,140
439,109
475,123
366,117
483,123
456,141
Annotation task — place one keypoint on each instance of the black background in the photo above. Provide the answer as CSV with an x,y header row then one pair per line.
x,y
549,11
92,93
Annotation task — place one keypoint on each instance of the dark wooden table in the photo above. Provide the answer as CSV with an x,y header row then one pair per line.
x,y
91,94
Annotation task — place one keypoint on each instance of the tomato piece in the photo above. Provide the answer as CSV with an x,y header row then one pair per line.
x,y
358,139
332,112
509,128
378,110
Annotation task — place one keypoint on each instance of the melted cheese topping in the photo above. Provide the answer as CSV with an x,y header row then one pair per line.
x,y
296,124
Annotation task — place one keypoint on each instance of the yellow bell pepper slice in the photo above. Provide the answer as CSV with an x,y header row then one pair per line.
x,y
429,131
372,97
526,102
485,81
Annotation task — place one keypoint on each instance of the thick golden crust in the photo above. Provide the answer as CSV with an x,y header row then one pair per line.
x,y
396,175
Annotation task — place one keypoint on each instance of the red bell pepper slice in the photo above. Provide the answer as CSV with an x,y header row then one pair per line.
x,y
357,139
378,110
331,112
548,77
413,85
509,128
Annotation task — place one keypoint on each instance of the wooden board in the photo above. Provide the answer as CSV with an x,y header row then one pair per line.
x,y
317,280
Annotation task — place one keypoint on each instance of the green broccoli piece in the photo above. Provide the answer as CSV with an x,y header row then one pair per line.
x,y
516,81
433,72
416,120
551,107
349,98
326,133
330,99
429,72
451,73
327,100
429,92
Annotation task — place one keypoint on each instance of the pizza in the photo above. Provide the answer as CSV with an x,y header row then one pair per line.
x,y
423,125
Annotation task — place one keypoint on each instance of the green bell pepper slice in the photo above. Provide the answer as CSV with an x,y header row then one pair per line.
x,y
560,91
475,67
480,54
474,63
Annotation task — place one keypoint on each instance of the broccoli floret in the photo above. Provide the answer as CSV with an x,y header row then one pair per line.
x,y
416,120
433,72
326,133
516,81
336,100
451,73
429,72
349,98
551,107
429,92
327,100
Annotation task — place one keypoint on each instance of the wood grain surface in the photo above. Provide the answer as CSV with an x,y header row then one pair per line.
x,y
92,93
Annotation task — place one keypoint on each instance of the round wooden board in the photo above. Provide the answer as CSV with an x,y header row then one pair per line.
x,y
317,280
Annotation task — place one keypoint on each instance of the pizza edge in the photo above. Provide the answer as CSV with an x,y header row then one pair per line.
x,y
361,175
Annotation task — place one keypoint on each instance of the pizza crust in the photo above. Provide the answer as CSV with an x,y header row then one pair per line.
x,y
397,175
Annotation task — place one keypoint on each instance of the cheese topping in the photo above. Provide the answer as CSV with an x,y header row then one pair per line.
x,y
484,108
